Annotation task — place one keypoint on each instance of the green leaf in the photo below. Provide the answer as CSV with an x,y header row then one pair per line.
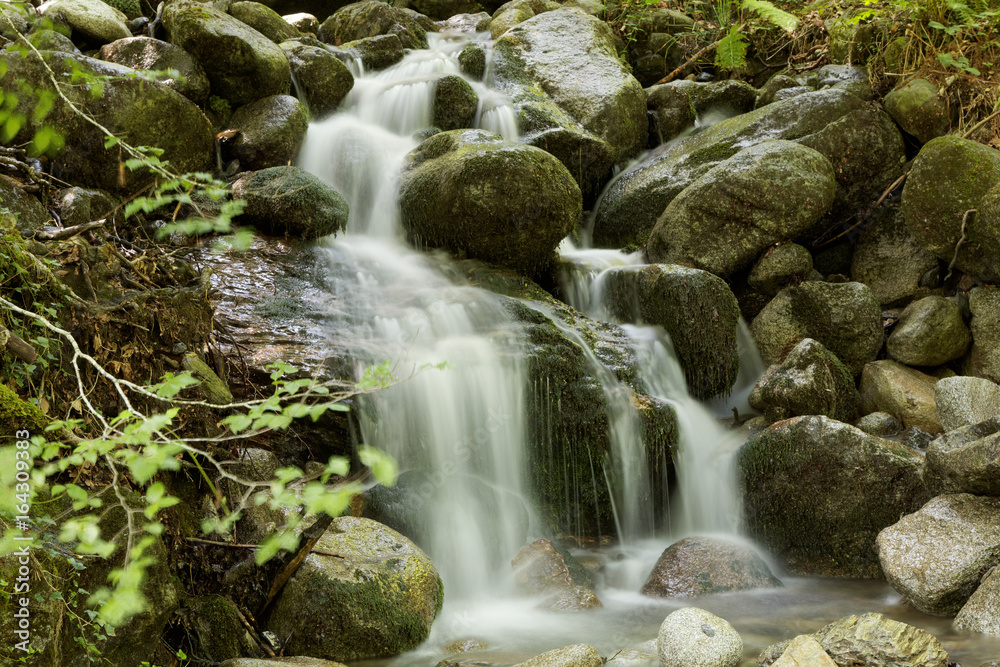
x,y
237,423
731,53
381,464
174,384
769,12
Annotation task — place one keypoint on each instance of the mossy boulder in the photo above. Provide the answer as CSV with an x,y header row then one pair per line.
x,y
289,201
271,130
890,261
936,556
512,13
930,332
983,359
763,195
467,191
264,20
17,415
809,381
25,207
948,182
145,53
671,111
140,112
445,9
472,61
816,492
729,97
781,266
52,40
215,622
698,311
93,21
376,53
966,460
130,8
20,18
371,18
887,386
631,206
378,599
697,566
242,64
455,103
323,80
573,95
918,110
844,317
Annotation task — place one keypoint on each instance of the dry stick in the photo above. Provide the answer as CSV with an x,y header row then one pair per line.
x,y
878,202
263,643
978,125
66,232
310,537
17,346
321,552
670,77
961,240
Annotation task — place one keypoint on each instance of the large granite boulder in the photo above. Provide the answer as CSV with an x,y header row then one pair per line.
x,y
966,460
930,332
145,53
816,492
691,636
476,193
905,392
697,566
935,557
765,194
372,18
963,401
983,359
982,612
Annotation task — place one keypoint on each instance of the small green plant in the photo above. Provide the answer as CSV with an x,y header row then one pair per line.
x,y
731,50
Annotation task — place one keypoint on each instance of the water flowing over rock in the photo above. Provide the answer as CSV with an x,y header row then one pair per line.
x,y
372,18
983,359
901,391
577,655
574,96
697,310
691,636
763,195
966,460
698,566
271,130
844,317
455,103
964,401
816,492
289,201
935,557
320,77
982,612
467,191
809,381
144,53
543,569
949,180
242,65
890,261
377,599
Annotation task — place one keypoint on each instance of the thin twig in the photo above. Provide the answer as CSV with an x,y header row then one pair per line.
x,y
66,232
670,77
961,240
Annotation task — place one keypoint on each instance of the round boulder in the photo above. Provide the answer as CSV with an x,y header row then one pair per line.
x,y
377,599
475,193
145,53
930,332
918,110
691,636
963,401
370,19
763,195
264,20
455,103
289,201
97,21
323,80
704,565
271,130
887,386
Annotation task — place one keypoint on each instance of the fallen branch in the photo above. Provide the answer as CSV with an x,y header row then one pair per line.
x,y
310,536
66,232
17,346
687,63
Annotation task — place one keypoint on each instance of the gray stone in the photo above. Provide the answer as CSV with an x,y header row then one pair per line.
x,y
512,13
50,40
725,219
691,636
630,657
918,110
844,317
672,110
804,651
963,400
289,201
322,79
809,381
887,386
30,213
697,566
983,359
98,21
880,424
271,130
816,492
144,53
298,661
577,655
264,20
376,53
930,332
982,612
780,267
776,84
966,460
890,261
934,558
303,22
372,18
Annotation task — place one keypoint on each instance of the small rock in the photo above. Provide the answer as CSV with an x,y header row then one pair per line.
x,y
918,110
702,565
455,103
887,386
963,400
982,612
880,424
472,61
321,78
692,637
781,266
930,332
303,22
465,645
577,655
542,568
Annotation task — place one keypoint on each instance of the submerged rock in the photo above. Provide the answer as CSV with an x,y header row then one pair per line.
x,y
934,557
476,194
966,460
542,567
816,492
378,599
691,636
698,566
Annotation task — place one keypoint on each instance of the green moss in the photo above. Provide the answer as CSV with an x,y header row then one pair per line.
x,y
16,414
130,8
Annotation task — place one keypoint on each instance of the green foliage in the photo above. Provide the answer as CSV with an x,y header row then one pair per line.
x,y
772,14
731,52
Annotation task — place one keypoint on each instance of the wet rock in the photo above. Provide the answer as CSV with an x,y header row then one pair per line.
x,y
455,103
963,401
140,112
144,53
880,424
930,332
242,65
776,84
702,566
844,317
651,30
377,600
691,636
780,267
865,149
372,18
465,191
966,460
630,657
934,557
574,97
465,645
887,386
30,213
573,599
216,624
478,22
472,61
726,218
949,177
515,12
303,22
271,130
264,20
816,493
542,567
918,110
289,201
323,79
672,110
728,97
97,21
694,307
809,381
983,359
79,205
298,661
376,53
444,9
577,655
982,612
890,261
804,651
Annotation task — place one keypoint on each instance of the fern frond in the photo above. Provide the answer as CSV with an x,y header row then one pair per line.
x,y
769,12
731,52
